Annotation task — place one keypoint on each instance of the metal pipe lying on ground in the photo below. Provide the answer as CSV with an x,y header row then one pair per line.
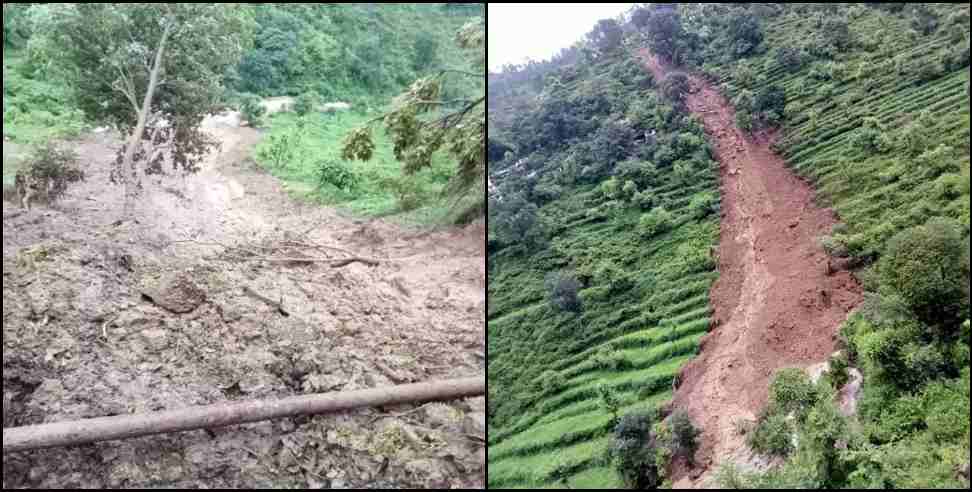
x,y
223,415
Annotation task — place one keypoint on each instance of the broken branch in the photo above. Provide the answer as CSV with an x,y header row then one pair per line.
x,y
333,263
276,305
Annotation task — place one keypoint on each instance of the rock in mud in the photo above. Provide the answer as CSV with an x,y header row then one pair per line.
x,y
441,415
475,425
433,472
176,293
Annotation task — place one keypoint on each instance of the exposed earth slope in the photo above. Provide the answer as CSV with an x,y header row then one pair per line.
x,y
775,304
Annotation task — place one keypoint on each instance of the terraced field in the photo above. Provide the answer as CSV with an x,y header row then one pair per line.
x,y
915,86
650,314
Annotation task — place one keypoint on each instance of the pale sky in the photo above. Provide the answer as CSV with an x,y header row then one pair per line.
x,y
517,31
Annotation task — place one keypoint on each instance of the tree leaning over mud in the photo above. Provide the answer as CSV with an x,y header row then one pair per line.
x,y
423,122
153,71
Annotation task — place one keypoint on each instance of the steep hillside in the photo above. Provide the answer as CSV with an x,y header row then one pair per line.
x,y
614,185
872,105
868,103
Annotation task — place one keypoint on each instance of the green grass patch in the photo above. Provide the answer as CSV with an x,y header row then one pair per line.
x,y
309,162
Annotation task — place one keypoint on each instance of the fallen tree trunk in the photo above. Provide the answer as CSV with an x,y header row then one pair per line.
x,y
223,415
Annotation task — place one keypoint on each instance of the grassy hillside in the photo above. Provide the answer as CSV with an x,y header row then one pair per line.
x,y
644,289
915,86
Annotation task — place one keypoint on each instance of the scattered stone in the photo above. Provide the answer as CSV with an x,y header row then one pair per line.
x,y
176,293
434,472
475,425
323,383
442,415
155,339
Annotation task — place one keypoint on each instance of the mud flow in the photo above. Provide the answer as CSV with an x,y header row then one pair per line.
x,y
177,308
776,303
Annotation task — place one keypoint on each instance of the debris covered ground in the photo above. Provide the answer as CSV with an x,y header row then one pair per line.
x,y
188,305
778,302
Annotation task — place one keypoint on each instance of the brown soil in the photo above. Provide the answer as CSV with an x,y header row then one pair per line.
x,y
81,340
775,306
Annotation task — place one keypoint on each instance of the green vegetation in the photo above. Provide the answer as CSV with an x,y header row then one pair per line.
x,y
601,175
424,121
609,180
48,171
877,115
361,54
306,153
633,451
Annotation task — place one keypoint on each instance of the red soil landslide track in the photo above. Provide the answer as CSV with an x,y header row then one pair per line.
x,y
775,305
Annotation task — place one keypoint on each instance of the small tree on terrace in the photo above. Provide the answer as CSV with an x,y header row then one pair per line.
x,y
675,88
633,449
154,71
563,289
606,36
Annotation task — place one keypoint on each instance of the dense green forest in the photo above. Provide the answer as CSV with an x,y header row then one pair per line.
x,y
360,54
601,225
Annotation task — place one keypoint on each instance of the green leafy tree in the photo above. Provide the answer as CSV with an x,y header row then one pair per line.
x,y
516,220
665,34
633,451
675,88
745,33
684,434
655,223
152,70
426,52
423,123
924,266
606,36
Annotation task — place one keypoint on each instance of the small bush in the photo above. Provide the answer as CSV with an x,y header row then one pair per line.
x,y
608,360
838,372
552,382
643,200
251,110
306,103
685,435
563,289
609,399
655,223
407,190
772,434
49,170
792,391
633,452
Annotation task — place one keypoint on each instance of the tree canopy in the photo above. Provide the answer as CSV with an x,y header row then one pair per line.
x,y
108,52
424,122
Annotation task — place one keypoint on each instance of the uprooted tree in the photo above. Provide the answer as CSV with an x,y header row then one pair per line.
x,y
153,71
423,121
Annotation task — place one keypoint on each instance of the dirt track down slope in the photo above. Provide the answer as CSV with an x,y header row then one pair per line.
x,y
81,340
775,306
